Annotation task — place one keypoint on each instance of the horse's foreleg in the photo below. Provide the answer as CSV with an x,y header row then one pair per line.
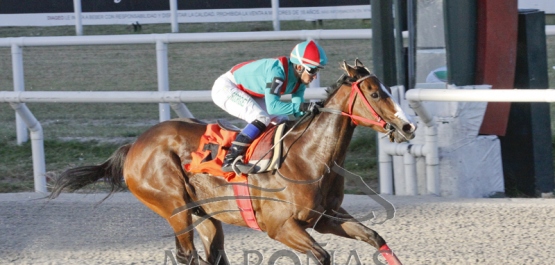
x,y
212,236
294,236
348,227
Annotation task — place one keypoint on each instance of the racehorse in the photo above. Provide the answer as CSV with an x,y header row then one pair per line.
x,y
303,193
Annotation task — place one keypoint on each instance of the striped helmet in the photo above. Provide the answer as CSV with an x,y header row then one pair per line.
x,y
309,54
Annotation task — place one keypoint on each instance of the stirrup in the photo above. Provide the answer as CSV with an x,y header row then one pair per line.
x,y
232,167
239,167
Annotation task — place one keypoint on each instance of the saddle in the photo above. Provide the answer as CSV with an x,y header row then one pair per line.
x,y
214,143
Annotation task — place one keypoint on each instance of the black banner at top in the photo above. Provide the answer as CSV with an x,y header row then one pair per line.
x,y
66,6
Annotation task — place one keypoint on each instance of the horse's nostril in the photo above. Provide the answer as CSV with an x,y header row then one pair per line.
x,y
408,128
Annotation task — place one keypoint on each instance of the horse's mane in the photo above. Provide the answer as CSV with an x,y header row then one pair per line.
x,y
343,79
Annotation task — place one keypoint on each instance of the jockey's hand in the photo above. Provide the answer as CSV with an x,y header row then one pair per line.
x,y
311,107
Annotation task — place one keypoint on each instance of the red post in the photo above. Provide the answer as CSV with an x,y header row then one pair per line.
x,y
496,57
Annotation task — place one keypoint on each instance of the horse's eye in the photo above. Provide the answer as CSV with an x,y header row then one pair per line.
x,y
375,95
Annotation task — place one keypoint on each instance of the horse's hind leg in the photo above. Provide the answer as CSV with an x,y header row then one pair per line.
x,y
294,236
186,251
164,204
163,191
347,226
212,236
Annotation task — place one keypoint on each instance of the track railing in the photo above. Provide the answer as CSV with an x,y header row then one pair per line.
x,y
175,99
429,149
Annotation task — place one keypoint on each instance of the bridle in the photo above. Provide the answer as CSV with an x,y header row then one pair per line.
x,y
355,91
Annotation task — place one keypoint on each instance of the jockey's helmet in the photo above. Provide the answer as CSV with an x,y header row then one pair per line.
x,y
309,54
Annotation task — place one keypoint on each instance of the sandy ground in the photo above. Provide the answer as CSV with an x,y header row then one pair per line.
x,y
425,230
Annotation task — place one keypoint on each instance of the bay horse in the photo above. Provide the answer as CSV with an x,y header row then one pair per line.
x,y
153,171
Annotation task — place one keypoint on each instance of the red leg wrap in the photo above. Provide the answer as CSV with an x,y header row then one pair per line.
x,y
389,255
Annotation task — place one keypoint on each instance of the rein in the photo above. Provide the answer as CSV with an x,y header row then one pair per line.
x,y
299,121
355,91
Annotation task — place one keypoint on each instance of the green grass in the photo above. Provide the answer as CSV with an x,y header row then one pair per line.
x,y
362,159
17,167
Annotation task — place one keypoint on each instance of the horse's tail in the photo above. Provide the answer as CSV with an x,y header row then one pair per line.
x,y
76,178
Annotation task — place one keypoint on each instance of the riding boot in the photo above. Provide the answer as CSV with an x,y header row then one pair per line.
x,y
238,148
240,145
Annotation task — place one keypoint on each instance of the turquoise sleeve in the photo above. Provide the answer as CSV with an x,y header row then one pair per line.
x,y
298,97
274,106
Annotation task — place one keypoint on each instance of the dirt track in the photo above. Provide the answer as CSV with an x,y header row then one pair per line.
x,y
425,230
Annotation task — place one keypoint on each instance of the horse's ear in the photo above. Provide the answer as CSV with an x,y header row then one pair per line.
x,y
344,65
358,63
349,69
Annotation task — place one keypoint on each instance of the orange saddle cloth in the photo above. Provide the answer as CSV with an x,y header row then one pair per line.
x,y
216,141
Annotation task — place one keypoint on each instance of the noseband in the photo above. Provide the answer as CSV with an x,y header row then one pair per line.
x,y
355,91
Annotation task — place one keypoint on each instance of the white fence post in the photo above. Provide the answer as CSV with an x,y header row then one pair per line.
x,y
163,76
275,14
173,12
37,145
19,85
78,18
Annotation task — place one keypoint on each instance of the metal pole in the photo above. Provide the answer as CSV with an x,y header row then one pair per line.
x,y
383,43
411,17
399,22
385,170
19,85
78,19
275,14
163,76
173,12
37,145
460,40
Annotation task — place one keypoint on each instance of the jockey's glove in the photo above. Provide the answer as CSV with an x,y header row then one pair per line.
x,y
311,106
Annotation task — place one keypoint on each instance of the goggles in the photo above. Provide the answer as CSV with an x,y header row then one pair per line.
x,y
312,71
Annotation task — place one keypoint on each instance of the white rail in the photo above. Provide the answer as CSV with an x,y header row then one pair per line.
x,y
490,95
17,100
122,96
161,45
189,37
430,149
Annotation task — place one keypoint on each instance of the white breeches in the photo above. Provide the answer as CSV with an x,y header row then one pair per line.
x,y
234,101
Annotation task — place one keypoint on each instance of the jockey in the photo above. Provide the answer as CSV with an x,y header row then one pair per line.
x,y
251,91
